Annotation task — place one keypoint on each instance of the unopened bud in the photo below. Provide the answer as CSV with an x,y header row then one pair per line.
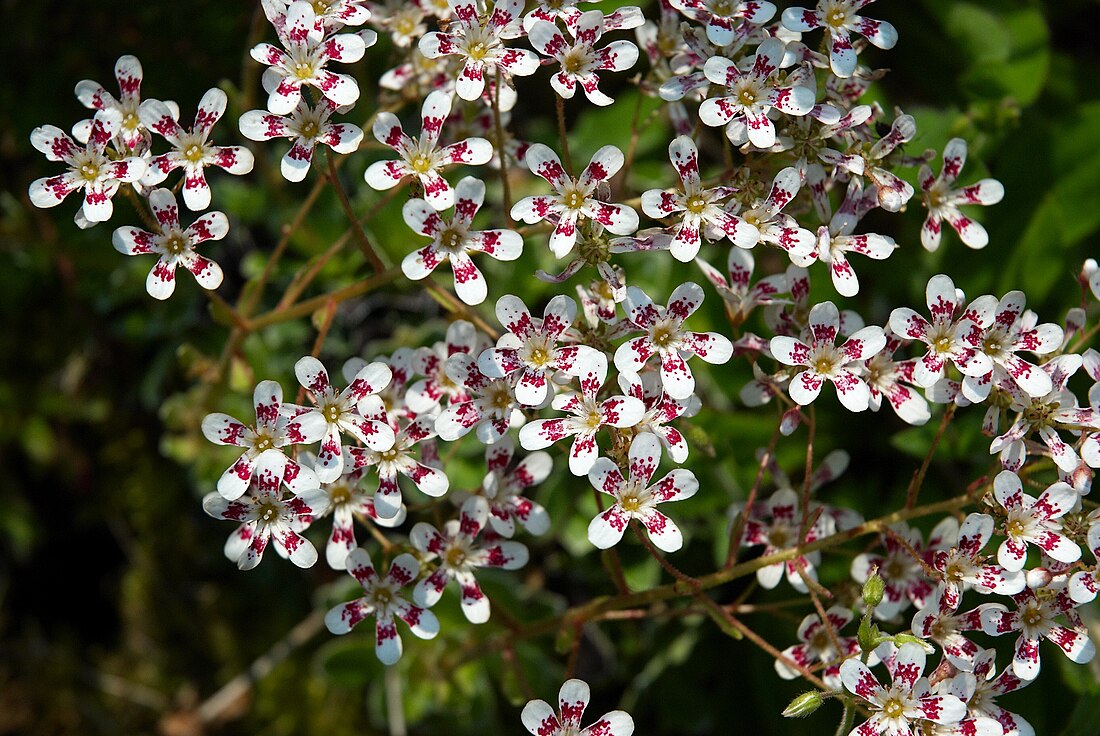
x,y
804,705
873,590
790,421
868,635
1040,577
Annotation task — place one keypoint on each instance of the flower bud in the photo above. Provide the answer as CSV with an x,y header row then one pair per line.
x,y
804,705
873,590
790,421
1040,577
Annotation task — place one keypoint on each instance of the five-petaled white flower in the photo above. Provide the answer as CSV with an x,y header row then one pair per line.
x,y
263,444
459,555
530,347
265,515
1030,520
751,95
1035,618
825,361
454,241
133,135
839,18
943,202
334,412
503,488
306,126
424,158
192,150
724,17
540,719
581,60
951,335
589,415
90,168
574,198
907,702
700,206
480,43
636,498
303,59
666,337
174,245
383,600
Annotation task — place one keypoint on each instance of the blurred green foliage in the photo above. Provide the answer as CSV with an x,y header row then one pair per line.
x,y
120,614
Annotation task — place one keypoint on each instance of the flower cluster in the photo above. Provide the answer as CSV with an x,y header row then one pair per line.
x,y
785,185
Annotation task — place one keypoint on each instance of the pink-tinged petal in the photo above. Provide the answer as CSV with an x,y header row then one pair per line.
x,y
607,528
805,387
211,226
534,209
532,387
539,718
1012,554
503,245
984,192
1076,644
824,321
157,117
437,191
429,481
471,151
223,429
54,143
859,680
676,376
235,160
631,356
518,62
469,284
864,344
387,644
234,481
908,323
422,623
761,130
471,80
196,191
644,456
852,390
662,531
547,39
475,604
514,316
1058,547
299,550
617,56
801,20
1025,659
1027,376
210,110
422,218
605,163
542,433
1008,490
909,665
676,486
605,476
878,32
946,709
709,346
50,191
207,274
132,241
619,219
